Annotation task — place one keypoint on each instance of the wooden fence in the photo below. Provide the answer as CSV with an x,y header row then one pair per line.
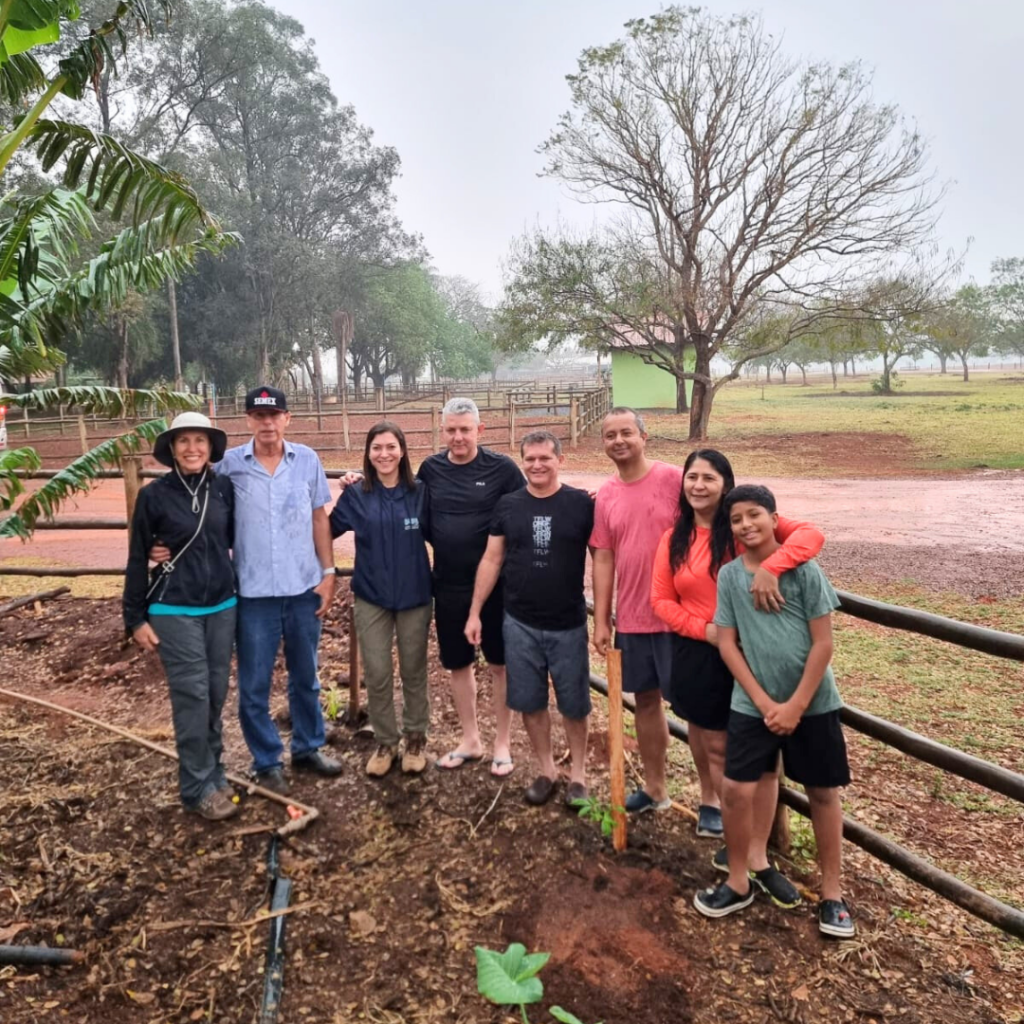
x,y
984,773
570,413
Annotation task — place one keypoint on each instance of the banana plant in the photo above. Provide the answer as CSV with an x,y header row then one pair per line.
x,y
46,288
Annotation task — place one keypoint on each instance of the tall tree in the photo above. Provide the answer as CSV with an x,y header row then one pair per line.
x,y
1007,298
961,327
745,179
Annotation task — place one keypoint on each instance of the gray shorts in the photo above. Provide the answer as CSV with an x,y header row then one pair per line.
x,y
646,662
531,655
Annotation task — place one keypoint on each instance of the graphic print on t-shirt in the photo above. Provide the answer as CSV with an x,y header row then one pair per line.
x,y
541,541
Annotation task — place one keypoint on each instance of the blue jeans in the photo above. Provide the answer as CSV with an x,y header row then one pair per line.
x,y
262,623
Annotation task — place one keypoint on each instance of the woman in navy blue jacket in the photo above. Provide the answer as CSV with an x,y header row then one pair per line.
x,y
387,512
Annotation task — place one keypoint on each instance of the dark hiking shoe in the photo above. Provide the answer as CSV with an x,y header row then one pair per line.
x,y
274,780
540,791
720,859
834,919
317,762
722,901
640,801
709,822
215,807
777,887
575,791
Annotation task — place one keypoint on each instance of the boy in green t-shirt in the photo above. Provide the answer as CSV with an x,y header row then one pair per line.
x,y
784,699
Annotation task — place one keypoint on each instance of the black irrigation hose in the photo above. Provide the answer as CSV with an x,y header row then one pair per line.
x,y
280,896
40,956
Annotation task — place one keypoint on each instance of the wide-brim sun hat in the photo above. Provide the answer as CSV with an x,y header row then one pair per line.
x,y
189,421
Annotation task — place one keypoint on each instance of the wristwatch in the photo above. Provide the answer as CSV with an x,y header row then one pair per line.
x,y
329,571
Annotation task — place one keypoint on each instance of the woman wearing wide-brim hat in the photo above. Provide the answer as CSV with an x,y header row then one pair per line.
x,y
185,608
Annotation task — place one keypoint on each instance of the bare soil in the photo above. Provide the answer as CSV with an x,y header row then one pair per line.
x,y
400,879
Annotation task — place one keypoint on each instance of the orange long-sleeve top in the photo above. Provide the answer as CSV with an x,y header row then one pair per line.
x,y
686,600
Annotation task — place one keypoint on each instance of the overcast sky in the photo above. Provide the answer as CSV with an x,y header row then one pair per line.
x,y
466,90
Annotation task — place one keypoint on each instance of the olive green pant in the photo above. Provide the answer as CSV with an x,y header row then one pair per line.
x,y
376,628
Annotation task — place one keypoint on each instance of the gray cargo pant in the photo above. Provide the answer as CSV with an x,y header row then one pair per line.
x,y
376,627
196,655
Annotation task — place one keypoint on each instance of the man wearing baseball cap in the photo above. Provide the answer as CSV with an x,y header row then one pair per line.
x,y
285,567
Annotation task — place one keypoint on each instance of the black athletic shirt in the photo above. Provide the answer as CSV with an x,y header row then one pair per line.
x,y
462,502
545,556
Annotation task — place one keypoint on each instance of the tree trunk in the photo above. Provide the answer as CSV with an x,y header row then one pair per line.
x,y
172,303
700,400
803,371
768,373
122,360
681,403
886,376
943,358
963,362
783,369
343,325
853,367
846,369
835,379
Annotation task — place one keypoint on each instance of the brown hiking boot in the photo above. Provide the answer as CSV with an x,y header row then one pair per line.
x,y
215,807
380,763
414,757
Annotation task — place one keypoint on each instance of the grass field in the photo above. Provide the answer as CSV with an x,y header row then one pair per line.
x,y
934,424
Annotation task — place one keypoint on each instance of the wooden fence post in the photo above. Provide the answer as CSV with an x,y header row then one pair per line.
x,y
616,757
345,429
353,666
60,412
132,466
83,435
25,416
435,433
574,425
511,423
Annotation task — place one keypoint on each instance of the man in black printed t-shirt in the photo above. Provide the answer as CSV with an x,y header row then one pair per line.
x,y
466,483
539,536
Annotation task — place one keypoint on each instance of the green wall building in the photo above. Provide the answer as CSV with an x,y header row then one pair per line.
x,y
642,386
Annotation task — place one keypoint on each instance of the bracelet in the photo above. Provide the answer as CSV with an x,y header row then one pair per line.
x,y
329,571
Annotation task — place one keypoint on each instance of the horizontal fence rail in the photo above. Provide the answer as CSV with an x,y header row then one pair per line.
x,y
977,638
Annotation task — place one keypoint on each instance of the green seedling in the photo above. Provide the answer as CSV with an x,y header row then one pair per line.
x,y
332,705
510,979
600,813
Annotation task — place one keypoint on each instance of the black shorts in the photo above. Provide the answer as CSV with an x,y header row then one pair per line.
x,y
813,755
701,688
451,609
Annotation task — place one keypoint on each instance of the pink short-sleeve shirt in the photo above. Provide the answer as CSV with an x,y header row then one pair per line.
x,y
629,519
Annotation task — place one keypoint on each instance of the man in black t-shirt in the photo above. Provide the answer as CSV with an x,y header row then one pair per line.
x,y
466,483
539,536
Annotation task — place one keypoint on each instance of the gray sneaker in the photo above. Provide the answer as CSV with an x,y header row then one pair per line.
x,y
215,807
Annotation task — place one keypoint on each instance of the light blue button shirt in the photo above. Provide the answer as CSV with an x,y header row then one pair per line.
x,y
274,551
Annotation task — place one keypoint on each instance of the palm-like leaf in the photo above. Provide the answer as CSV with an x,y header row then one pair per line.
x,y
114,403
11,462
83,66
20,75
120,179
18,362
77,478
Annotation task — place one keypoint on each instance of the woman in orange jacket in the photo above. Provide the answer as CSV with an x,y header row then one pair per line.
x,y
684,594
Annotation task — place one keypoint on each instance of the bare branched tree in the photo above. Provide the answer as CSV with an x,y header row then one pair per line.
x,y
748,180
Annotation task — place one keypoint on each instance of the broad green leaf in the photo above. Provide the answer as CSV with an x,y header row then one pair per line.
x,y
531,964
18,40
497,973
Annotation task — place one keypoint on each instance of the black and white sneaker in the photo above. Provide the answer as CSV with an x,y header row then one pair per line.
x,y
709,822
721,901
834,919
720,859
777,887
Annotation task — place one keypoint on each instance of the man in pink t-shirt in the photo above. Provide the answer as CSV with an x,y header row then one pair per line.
x,y
634,508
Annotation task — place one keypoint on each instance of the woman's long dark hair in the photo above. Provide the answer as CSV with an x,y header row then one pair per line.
x,y
722,545
370,477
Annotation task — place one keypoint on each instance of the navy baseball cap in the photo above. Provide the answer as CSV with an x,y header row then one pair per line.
x,y
266,398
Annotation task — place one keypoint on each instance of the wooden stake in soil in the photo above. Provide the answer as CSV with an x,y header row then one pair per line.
x,y
616,758
353,666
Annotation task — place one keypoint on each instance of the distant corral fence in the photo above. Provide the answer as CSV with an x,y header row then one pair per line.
x,y
569,411
992,777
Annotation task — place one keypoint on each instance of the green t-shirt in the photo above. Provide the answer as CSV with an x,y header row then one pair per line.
x,y
776,644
